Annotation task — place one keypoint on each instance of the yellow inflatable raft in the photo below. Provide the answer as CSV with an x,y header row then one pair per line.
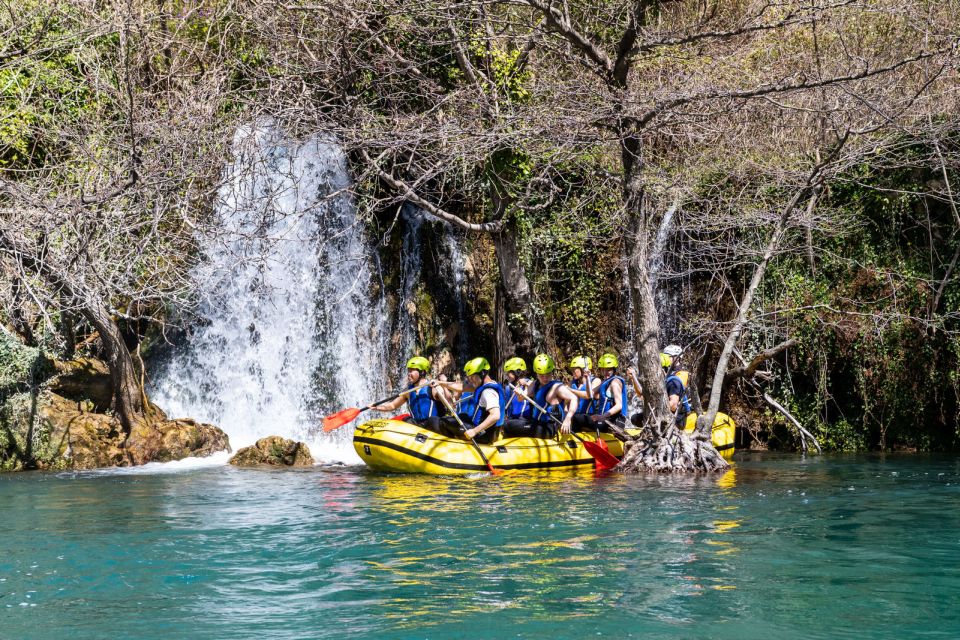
x,y
401,447
723,435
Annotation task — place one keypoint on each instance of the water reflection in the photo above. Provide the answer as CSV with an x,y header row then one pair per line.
x,y
334,552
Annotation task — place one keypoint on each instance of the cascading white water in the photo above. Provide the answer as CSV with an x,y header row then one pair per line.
x,y
457,261
411,263
290,331
667,297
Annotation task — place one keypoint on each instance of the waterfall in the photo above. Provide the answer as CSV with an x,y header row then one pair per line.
x,y
457,278
667,297
411,266
289,331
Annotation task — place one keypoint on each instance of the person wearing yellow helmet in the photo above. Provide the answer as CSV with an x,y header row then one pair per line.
x,y
422,401
488,412
553,396
517,387
610,404
584,385
676,382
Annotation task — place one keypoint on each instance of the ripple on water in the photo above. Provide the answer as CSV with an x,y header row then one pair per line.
x,y
779,547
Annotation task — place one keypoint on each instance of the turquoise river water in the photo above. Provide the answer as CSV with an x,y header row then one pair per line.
x,y
782,547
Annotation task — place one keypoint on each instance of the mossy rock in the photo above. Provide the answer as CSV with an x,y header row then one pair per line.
x,y
274,451
48,431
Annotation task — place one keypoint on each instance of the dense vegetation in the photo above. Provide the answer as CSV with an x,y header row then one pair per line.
x,y
807,154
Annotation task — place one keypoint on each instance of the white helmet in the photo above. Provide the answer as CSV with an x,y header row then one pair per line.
x,y
673,350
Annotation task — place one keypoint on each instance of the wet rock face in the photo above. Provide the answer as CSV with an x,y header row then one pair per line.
x,y
274,451
83,379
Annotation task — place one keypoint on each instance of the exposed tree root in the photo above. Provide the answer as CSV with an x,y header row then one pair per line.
x,y
673,452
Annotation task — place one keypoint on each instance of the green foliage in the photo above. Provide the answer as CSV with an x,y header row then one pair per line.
x,y
20,366
39,94
875,365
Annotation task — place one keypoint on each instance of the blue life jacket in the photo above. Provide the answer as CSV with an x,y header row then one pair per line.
x,y
684,406
421,404
467,403
540,398
585,403
605,401
479,413
518,407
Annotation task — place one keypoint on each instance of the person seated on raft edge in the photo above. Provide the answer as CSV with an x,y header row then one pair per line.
x,y
676,383
423,403
584,385
552,395
519,409
484,423
611,402
636,419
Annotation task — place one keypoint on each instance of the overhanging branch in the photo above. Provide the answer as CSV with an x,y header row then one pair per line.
x,y
411,196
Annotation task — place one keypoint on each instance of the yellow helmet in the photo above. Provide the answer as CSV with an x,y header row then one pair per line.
x,y
543,364
514,364
665,360
418,362
581,362
476,366
608,361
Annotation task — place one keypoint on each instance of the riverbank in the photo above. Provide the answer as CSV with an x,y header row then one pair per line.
x,y
832,546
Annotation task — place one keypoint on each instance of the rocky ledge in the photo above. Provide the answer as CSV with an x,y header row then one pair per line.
x,y
48,431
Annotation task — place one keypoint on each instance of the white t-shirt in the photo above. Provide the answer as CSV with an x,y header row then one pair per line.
x,y
489,399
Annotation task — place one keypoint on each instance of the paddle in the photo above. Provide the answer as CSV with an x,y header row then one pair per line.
x,y
463,427
340,418
601,455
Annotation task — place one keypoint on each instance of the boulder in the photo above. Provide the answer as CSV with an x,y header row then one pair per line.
x,y
167,440
274,451
47,431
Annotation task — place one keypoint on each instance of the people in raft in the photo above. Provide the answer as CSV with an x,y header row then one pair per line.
x,y
519,389
584,385
552,404
423,402
610,403
538,408
485,413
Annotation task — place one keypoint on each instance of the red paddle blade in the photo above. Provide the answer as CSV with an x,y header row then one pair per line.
x,y
605,459
602,444
340,418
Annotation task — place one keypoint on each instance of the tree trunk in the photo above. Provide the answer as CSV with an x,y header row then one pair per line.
x,y
503,346
127,400
662,447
